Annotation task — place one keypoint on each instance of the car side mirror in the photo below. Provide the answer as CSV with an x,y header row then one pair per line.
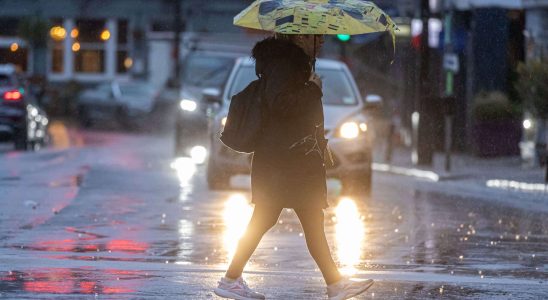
x,y
373,102
212,95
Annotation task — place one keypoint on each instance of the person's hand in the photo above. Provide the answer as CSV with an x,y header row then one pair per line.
x,y
316,79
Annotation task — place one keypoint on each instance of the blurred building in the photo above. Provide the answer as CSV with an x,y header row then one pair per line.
x,y
489,37
97,40
536,28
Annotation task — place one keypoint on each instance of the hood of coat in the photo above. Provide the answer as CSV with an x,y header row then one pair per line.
x,y
273,51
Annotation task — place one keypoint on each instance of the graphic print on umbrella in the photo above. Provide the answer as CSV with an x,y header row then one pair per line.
x,y
316,17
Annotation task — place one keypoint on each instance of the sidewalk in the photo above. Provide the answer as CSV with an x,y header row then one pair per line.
x,y
492,178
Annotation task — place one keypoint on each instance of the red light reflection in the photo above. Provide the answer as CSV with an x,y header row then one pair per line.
x,y
127,246
72,281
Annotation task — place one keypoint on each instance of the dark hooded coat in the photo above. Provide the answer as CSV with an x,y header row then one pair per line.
x,y
288,168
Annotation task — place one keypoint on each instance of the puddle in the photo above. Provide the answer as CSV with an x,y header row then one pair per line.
x,y
73,281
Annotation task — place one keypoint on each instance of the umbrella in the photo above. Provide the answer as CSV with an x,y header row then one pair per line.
x,y
316,17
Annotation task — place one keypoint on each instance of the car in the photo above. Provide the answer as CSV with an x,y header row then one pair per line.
x,y
346,127
204,76
22,121
128,102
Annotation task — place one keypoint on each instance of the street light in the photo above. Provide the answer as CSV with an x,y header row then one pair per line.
x,y
58,33
105,35
76,47
74,33
14,47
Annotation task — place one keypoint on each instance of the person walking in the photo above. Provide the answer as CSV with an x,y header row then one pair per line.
x,y
288,169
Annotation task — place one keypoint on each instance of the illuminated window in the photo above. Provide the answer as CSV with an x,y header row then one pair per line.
x,y
18,58
57,49
89,61
89,45
57,59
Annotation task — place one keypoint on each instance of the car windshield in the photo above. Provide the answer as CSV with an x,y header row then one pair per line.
x,y
337,89
5,80
136,90
206,71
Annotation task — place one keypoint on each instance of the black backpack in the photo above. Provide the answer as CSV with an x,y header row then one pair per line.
x,y
245,118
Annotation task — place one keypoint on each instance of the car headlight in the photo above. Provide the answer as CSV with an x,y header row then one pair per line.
x,y
188,105
351,130
527,124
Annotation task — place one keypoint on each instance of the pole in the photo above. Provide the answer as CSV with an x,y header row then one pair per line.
x,y
178,24
421,146
449,86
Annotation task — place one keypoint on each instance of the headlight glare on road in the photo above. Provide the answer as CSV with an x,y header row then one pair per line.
x,y
349,234
188,105
198,154
350,130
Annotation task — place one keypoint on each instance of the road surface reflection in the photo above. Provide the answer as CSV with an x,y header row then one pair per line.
x,y
73,281
236,215
349,234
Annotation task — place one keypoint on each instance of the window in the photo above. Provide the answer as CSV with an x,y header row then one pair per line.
x,y
122,32
123,60
89,31
89,45
57,48
57,53
337,89
5,80
206,71
17,57
89,61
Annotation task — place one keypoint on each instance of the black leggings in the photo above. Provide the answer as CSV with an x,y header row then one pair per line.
x,y
265,218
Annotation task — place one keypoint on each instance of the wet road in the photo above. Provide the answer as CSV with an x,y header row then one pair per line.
x,y
114,216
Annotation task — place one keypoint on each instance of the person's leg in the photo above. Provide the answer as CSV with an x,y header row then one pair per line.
x,y
264,218
312,222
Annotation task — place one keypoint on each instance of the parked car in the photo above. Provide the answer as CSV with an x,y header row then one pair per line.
x,y
346,127
204,75
22,121
128,102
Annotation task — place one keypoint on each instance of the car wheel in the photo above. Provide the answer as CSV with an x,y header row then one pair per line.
x,y
217,178
358,184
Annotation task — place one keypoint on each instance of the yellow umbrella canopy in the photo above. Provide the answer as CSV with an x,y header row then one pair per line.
x,y
316,17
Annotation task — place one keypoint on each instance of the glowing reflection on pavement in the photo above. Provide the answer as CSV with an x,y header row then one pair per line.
x,y
349,234
236,215
185,168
